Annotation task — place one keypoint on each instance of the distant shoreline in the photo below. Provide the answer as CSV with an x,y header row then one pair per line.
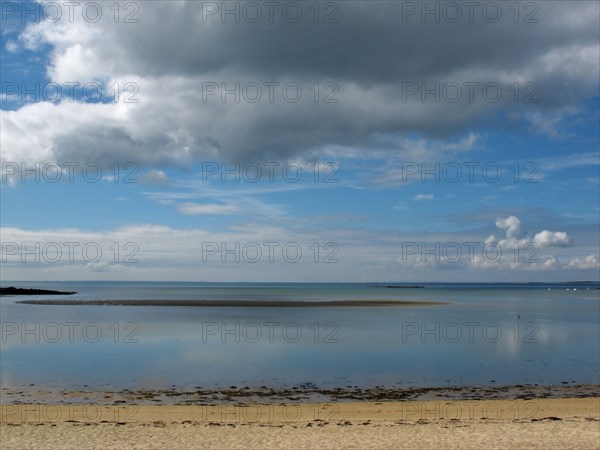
x,y
410,284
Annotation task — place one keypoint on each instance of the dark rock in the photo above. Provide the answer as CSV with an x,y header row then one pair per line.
x,y
21,291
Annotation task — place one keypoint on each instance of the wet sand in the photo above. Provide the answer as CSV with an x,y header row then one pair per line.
x,y
303,393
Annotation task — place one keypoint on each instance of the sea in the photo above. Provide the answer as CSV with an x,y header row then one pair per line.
x,y
479,334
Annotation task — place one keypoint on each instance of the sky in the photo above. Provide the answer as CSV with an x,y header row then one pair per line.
x,y
345,141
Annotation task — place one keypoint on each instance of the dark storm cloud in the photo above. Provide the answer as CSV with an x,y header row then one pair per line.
x,y
370,60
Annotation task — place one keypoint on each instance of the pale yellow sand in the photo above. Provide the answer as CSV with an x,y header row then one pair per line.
x,y
358,425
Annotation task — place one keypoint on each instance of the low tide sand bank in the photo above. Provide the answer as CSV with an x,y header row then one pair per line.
x,y
538,423
235,303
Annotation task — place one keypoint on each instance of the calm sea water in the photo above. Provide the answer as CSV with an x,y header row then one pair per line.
x,y
489,335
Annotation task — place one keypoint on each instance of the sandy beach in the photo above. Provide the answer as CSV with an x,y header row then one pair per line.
x,y
539,423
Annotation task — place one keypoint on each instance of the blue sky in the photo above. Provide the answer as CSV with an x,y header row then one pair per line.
x,y
378,217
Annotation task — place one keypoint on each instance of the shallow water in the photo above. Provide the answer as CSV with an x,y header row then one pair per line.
x,y
489,334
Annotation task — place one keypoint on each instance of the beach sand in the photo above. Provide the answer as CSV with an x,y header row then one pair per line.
x,y
538,423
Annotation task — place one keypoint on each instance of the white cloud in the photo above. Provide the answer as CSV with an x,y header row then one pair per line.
x,y
588,263
155,178
522,252
424,197
177,254
12,46
511,225
552,239
550,263
543,264
208,208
